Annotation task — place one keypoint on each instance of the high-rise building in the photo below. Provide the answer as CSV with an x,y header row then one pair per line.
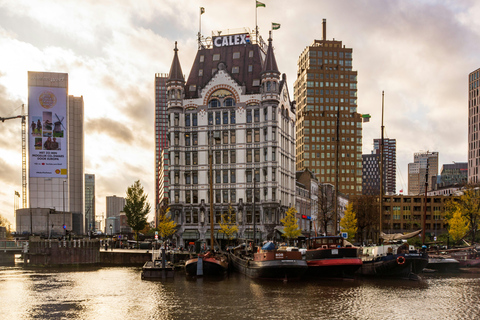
x,y
371,174
115,205
473,127
424,164
161,140
328,126
389,163
452,174
371,168
56,149
90,202
235,107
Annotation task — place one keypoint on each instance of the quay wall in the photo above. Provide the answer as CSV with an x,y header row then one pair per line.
x,y
62,252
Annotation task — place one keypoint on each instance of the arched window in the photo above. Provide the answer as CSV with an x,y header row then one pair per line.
x,y
269,85
274,86
229,102
214,103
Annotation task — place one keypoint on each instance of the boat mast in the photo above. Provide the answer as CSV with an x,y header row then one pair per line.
x,y
425,207
337,147
381,175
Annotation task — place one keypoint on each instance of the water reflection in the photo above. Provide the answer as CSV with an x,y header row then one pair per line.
x,y
119,293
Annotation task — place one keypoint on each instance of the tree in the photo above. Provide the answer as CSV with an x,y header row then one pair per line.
x,y
469,207
326,207
290,224
136,207
228,225
5,223
348,223
367,213
458,226
166,226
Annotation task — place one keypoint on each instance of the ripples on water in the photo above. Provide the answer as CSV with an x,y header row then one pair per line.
x,y
119,293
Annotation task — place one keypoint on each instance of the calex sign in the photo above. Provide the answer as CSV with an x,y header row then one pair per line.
x,y
231,40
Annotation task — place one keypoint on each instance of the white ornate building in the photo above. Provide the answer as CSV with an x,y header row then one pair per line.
x,y
235,95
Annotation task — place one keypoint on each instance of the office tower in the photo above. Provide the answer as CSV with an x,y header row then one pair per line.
x,y
453,174
473,127
55,138
115,205
161,141
328,127
424,163
90,203
235,105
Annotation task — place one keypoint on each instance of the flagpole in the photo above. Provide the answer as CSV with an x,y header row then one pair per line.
x,y
256,26
199,28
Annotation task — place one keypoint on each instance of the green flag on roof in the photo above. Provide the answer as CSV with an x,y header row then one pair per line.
x,y
260,4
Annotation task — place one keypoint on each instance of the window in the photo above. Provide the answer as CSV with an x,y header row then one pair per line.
x,y
218,177
232,136
249,176
195,181
249,116
194,119
250,68
235,70
257,155
257,135
249,155
216,57
225,196
250,54
236,55
225,137
249,136
188,177
225,176
187,120
202,58
256,113
187,158
188,199
210,118
232,117
233,196
195,158
195,138
233,158
229,102
214,103
200,72
195,200
176,119
218,157
225,117
217,118
225,157
187,139
232,176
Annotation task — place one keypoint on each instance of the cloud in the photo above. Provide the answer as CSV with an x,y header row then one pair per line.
x,y
114,129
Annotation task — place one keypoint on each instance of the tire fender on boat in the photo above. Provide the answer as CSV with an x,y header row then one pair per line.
x,y
401,260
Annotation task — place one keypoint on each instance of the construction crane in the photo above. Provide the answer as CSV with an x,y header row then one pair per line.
x,y
24,153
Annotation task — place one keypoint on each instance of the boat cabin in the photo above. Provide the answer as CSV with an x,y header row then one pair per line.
x,y
325,242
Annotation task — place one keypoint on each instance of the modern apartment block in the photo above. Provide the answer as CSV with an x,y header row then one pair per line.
x,y
161,141
235,105
328,126
452,174
423,163
473,127
371,168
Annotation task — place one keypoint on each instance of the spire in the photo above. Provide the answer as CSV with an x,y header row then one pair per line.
x,y
270,62
176,69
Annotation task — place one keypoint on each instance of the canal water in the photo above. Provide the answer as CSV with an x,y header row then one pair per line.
x,y
119,293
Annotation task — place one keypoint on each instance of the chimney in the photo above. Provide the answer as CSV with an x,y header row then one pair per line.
x,y
324,29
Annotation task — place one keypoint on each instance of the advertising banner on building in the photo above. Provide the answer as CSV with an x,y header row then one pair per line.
x,y
47,121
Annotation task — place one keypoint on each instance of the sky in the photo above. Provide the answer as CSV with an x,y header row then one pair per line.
x,y
419,52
